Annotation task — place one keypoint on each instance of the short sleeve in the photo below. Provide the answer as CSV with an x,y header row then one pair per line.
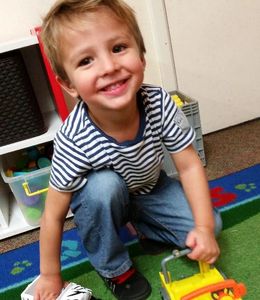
x,y
177,132
69,165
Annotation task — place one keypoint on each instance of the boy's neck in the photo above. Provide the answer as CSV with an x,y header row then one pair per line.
x,y
120,126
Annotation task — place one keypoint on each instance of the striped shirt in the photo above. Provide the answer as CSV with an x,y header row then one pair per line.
x,y
80,146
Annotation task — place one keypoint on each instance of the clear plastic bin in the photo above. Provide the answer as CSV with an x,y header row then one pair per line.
x,y
29,189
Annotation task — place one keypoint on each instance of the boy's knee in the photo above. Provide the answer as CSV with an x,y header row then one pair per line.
x,y
105,182
105,188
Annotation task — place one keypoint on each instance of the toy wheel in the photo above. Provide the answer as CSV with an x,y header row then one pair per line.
x,y
225,294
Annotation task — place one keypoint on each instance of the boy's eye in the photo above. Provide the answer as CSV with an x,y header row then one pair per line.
x,y
118,48
85,61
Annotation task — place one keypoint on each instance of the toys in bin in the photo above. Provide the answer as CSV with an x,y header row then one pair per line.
x,y
209,284
32,159
30,190
177,100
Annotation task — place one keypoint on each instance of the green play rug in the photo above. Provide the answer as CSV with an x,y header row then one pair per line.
x,y
240,260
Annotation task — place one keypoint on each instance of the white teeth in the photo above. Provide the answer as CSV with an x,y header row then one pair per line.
x,y
113,86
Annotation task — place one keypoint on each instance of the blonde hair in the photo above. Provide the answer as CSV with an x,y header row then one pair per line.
x,y
64,10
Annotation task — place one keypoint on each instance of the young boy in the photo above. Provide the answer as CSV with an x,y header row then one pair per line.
x,y
108,153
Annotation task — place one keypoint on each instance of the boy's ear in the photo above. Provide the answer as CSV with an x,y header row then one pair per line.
x,y
68,87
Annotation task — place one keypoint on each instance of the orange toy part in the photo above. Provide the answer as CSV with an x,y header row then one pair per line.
x,y
238,289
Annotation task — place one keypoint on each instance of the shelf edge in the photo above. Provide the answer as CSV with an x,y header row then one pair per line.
x,y
19,43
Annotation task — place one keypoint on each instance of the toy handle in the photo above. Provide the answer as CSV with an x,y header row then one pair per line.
x,y
204,267
31,194
175,254
239,289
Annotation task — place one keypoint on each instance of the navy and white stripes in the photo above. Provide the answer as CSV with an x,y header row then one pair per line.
x,y
80,146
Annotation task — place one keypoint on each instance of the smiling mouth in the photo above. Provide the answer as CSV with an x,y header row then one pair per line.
x,y
114,86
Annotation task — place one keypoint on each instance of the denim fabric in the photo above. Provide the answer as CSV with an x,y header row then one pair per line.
x,y
103,205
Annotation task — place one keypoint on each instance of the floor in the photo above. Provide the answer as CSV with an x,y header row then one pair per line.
x,y
226,151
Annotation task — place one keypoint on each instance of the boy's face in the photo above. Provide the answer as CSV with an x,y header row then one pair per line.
x,y
102,61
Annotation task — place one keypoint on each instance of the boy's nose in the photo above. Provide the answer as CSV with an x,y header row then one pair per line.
x,y
109,65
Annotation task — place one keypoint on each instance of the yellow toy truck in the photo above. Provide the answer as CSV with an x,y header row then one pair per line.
x,y
208,284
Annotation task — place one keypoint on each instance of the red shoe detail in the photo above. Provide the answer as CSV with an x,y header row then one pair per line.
x,y
123,277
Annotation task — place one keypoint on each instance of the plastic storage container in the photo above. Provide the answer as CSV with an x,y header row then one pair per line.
x,y
29,189
191,111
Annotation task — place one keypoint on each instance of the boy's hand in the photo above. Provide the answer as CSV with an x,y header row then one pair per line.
x,y
203,244
48,287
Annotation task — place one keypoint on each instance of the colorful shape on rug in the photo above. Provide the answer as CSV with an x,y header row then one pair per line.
x,y
230,193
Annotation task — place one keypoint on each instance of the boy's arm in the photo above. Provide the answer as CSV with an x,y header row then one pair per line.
x,y
195,184
56,208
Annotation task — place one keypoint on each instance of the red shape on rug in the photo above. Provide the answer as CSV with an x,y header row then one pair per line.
x,y
220,197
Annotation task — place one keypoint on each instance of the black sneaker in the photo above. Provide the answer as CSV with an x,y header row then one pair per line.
x,y
135,287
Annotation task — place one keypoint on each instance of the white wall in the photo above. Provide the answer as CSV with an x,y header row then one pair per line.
x,y
17,17
216,46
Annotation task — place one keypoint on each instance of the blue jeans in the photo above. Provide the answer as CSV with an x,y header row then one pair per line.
x,y
104,205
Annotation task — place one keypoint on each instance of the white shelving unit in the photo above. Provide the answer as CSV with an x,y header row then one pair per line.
x,y
12,221
16,222
4,207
